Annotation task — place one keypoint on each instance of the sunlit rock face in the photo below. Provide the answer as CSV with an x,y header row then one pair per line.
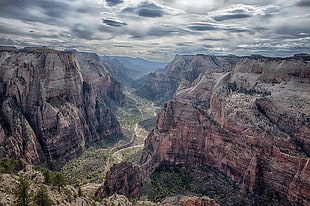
x,y
252,123
52,104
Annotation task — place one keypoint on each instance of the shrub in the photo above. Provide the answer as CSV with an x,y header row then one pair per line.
x,y
8,165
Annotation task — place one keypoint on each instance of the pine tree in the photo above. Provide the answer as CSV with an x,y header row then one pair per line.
x,y
47,176
80,193
41,198
59,179
22,192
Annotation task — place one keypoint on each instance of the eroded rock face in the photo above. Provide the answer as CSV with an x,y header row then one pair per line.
x,y
182,71
122,179
251,123
52,104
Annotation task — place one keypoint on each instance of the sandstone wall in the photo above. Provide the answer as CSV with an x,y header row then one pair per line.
x,y
251,122
52,104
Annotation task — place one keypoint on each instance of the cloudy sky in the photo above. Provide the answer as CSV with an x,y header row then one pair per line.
x,y
159,29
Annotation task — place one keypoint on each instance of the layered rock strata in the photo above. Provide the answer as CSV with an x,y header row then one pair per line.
x,y
251,123
182,72
52,104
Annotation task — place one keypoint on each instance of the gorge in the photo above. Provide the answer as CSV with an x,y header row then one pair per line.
x,y
234,129
247,118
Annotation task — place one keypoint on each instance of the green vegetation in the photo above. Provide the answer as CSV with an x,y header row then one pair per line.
x,y
59,180
233,87
8,165
80,193
51,177
43,49
41,197
298,153
36,185
89,167
170,179
22,192
148,124
92,165
136,110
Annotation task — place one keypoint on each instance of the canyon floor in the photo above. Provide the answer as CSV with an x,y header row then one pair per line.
x,y
88,171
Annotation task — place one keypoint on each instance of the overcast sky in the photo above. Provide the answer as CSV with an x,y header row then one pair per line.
x,y
159,29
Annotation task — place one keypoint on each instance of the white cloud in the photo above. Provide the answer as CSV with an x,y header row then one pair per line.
x,y
159,29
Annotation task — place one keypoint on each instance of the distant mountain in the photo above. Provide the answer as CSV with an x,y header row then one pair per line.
x,y
161,85
129,71
140,64
119,71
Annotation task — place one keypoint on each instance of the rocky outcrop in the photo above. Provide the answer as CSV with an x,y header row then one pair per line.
x,y
53,103
199,201
182,71
124,179
251,123
182,200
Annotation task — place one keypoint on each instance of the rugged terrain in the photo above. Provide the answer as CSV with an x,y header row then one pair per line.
x,y
248,119
53,104
131,72
40,186
181,72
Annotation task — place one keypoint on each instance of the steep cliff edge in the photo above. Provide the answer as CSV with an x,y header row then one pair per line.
x,y
52,104
182,71
251,123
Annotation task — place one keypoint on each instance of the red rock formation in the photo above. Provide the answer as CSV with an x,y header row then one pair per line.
x,y
254,128
52,105
124,179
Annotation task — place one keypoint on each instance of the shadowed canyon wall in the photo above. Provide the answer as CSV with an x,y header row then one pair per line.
x,y
54,103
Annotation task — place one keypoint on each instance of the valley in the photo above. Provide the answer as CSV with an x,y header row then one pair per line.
x,y
154,103
91,167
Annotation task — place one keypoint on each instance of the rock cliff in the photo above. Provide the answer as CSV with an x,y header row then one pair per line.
x,y
251,122
53,103
182,71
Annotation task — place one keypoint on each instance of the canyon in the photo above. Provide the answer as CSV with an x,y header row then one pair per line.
x,y
54,104
246,117
237,126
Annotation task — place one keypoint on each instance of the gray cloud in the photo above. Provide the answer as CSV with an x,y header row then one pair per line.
x,y
294,30
81,31
161,28
212,39
114,2
113,23
303,3
10,42
203,27
239,11
122,46
24,10
239,30
230,17
207,46
146,10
